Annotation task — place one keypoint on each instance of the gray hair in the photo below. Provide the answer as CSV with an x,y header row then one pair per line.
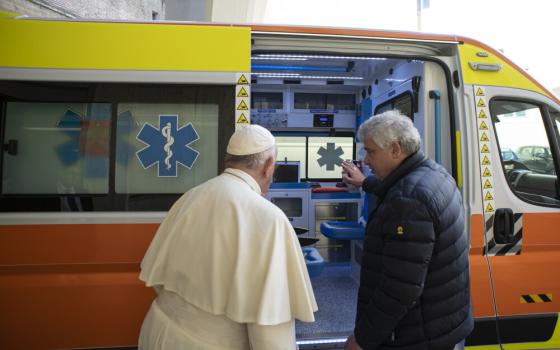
x,y
250,161
391,126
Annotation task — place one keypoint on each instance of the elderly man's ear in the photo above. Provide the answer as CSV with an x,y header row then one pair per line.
x,y
269,167
396,150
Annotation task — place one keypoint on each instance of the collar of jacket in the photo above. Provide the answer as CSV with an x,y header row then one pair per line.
x,y
408,164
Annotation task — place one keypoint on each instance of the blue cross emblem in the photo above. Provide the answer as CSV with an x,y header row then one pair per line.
x,y
167,146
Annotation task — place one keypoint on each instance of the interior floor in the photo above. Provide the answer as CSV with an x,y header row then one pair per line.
x,y
336,294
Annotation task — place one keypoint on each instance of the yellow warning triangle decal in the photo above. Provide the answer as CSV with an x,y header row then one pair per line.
x,y
242,106
487,184
486,172
242,93
242,80
482,114
242,119
484,137
479,104
489,208
485,161
484,149
488,196
483,126
479,92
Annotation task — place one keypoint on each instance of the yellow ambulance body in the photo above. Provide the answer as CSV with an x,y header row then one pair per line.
x,y
79,204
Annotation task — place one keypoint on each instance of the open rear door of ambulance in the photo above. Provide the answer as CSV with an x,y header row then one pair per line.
x,y
417,74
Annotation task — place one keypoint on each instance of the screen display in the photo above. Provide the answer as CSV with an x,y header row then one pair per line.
x,y
286,172
324,155
292,149
323,120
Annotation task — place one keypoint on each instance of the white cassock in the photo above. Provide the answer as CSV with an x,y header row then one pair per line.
x,y
229,270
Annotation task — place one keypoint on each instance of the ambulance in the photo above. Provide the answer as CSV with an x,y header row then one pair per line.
x,y
104,124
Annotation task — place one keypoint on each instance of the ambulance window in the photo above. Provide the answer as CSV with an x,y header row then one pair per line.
x,y
107,147
403,103
525,151
56,148
165,147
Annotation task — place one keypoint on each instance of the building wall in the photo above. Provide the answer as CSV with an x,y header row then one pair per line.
x,y
224,11
100,9
188,10
220,11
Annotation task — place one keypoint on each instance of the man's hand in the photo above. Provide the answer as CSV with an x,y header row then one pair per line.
x,y
351,344
351,174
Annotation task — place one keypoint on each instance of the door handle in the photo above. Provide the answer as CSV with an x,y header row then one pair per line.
x,y
503,226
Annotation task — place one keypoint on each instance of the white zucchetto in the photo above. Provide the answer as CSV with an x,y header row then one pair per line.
x,y
250,139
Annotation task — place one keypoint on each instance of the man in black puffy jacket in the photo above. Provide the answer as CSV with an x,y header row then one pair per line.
x,y
414,285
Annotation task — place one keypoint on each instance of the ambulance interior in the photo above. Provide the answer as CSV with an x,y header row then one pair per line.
x,y
313,103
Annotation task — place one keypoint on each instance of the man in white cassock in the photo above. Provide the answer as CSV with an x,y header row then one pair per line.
x,y
226,263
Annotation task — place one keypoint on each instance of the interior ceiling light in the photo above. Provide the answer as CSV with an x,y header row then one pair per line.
x,y
299,76
276,58
322,341
306,57
301,68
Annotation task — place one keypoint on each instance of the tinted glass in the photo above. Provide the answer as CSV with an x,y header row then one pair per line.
x,y
57,148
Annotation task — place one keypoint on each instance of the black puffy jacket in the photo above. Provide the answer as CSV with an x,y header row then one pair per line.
x,y
414,284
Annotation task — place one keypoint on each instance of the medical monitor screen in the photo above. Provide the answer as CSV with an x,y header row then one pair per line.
x,y
292,149
324,155
286,172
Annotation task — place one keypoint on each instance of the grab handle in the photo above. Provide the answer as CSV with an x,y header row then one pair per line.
x,y
435,94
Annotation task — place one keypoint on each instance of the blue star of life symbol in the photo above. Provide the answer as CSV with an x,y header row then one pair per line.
x,y
167,146
330,156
